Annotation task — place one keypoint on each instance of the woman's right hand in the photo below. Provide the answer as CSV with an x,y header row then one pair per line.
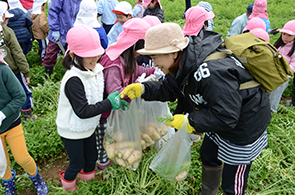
x,y
133,90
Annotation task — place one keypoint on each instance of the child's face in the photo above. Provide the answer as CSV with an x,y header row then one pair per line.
x,y
122,18
164,61
287,38
90,62
152,4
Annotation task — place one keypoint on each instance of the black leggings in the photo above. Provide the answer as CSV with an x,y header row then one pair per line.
x,y
82,154
187,4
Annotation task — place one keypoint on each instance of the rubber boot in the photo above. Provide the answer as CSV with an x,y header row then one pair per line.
x,y
102,166
39,183
211,177
10,184
67,185
28,115
48,72
86,176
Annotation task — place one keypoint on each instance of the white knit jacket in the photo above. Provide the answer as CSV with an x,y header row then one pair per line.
x,y
69,125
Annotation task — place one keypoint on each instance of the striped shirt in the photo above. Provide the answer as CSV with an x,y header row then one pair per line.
x,y
233,154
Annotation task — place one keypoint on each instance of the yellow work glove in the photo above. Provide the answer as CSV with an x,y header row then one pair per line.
x,y
133,90
179,122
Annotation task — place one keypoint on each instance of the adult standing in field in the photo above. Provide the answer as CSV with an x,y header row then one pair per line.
x,y
187,6
286,46
259,11
104,9
238,24
235,124
61,17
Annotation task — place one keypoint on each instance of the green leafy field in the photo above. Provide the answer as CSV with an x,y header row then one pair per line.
x,y
273,172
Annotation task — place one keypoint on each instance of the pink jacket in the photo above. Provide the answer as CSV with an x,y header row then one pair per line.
x,y
115,79
284,50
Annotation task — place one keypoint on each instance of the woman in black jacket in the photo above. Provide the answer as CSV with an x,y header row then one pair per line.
x,y
234,119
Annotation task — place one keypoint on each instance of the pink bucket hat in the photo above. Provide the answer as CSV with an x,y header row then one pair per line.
x,y
289,28
84,41
195,18
259,9
255,23
152,20
147,2
133,30
164,38
260,33
1,58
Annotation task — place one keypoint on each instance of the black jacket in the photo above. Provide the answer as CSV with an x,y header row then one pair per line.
x,y
211,94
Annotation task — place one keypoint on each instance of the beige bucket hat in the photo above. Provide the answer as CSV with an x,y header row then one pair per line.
x,y
164,38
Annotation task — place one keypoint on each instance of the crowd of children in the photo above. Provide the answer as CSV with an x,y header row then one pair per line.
x,y
105,59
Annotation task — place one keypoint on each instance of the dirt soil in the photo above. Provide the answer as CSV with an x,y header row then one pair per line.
x,y
50,170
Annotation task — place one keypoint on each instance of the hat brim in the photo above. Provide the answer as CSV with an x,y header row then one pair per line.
x,y
289,32
93,53
123,42
146,3
119,12
165,50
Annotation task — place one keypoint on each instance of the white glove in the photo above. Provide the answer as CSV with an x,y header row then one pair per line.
x,y
55,35
158,73
2,117
140,79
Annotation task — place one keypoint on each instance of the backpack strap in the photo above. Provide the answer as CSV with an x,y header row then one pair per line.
x,y
224,53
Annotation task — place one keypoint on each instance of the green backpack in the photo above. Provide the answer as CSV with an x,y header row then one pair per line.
x,y
262,60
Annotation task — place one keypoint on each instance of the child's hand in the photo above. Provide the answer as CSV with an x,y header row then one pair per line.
x,y
116,101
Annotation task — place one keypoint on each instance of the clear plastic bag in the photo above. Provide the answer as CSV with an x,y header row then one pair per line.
x,y
173,161
150,130
3,163
122,138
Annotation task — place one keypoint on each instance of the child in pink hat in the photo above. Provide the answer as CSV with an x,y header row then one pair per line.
x,y
260,33
81,103
259,11
154,8
254,23
286,46
196,19
120,66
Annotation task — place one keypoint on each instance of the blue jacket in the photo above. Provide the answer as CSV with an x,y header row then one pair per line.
x,y
114,33
103,37
104,9
20,24
61,17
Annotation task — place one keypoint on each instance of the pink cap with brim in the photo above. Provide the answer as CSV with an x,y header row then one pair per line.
x,y
1,58
255,23
147,2
259,9
195,18
133,30
84,41
289,28
260,33
152,20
